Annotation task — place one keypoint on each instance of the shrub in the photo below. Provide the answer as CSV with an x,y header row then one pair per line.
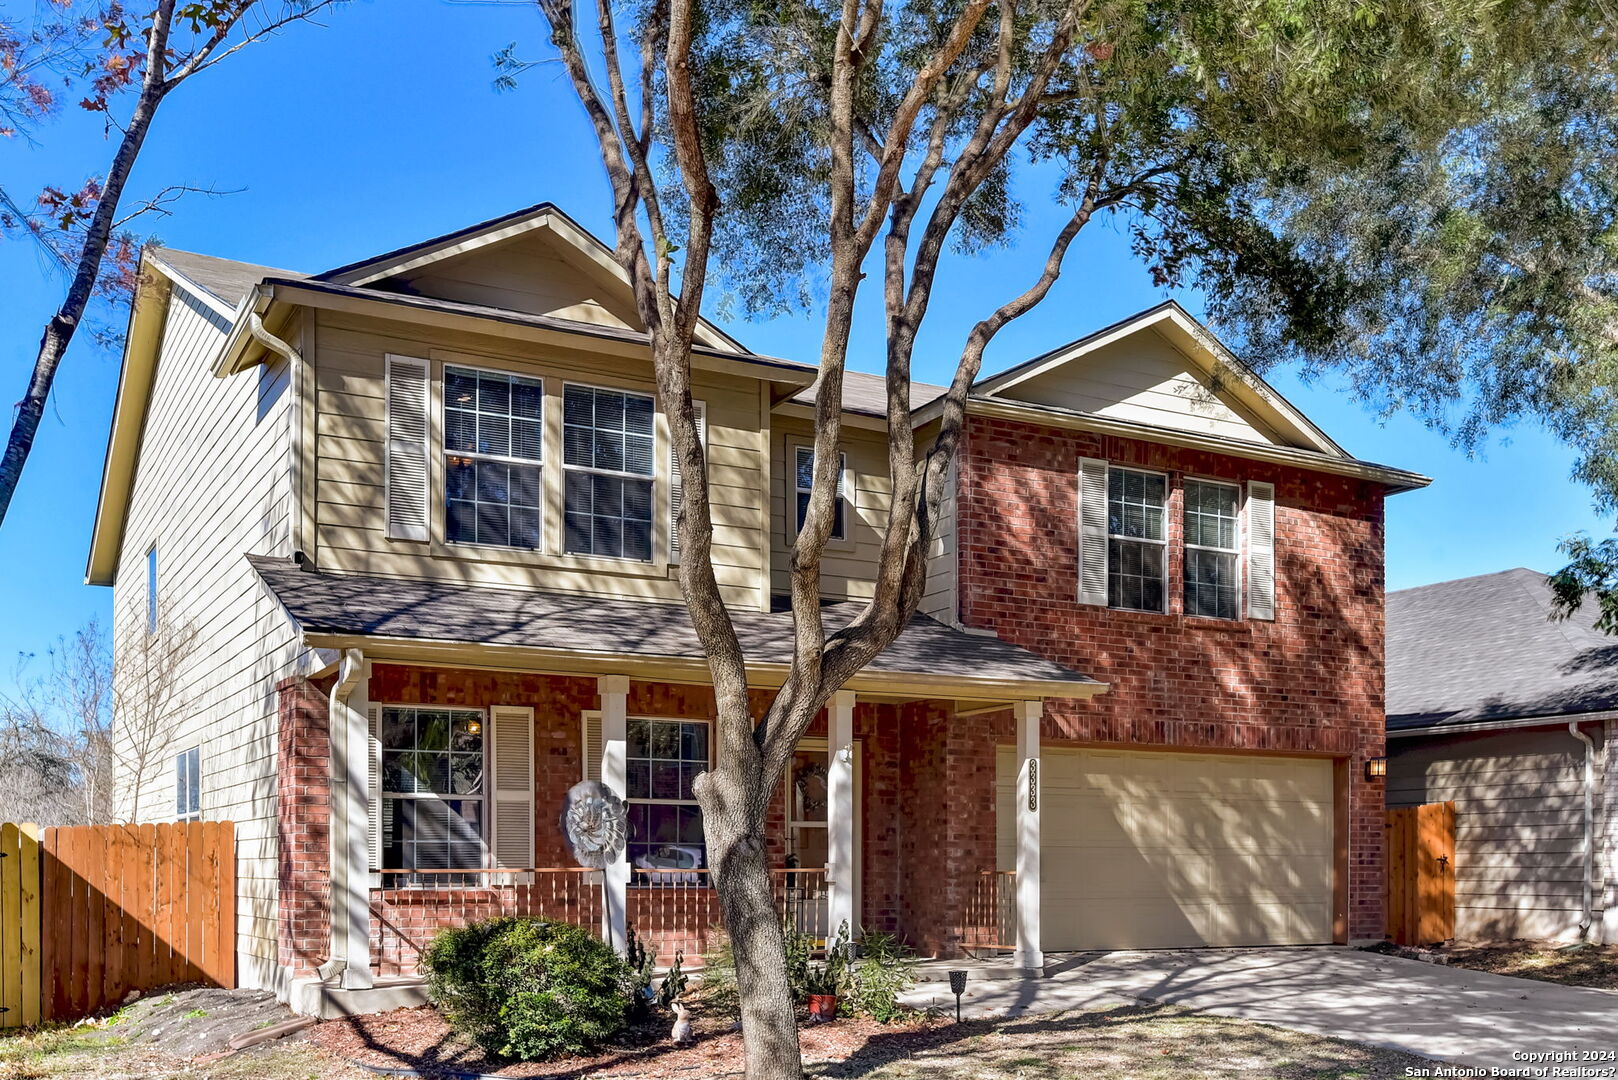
x,y
716,991
529,989
885,969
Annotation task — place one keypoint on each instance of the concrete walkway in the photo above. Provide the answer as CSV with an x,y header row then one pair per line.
x,y
1453,1015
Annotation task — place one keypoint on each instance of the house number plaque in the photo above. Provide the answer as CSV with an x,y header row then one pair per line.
x,y
1033,785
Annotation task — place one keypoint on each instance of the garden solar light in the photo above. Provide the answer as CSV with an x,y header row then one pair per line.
x,y
957,985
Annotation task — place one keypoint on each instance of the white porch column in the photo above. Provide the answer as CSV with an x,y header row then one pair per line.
x,y
1608,897
348,961
614,690
1029,956
840,860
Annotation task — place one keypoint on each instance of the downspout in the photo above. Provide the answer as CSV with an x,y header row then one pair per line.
x,y
255,326
1588,918
348,676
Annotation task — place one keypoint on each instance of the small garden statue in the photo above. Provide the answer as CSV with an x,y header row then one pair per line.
x,y
682,1023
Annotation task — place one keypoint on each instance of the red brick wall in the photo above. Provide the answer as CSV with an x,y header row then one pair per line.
x,y
1309,682
303,808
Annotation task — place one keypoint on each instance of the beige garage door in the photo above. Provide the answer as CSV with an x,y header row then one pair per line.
x,y
1160,850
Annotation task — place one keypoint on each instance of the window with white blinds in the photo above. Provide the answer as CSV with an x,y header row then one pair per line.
x,y
494,439
608,463
1137,539
803,477
1212,549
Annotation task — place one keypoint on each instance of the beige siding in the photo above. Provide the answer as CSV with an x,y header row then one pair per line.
x,y
531,273
848,567
1519,824
942,598
213,483
1144,379
349,359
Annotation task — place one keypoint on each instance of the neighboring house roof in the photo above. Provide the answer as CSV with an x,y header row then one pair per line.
x,y
351,610
1484,649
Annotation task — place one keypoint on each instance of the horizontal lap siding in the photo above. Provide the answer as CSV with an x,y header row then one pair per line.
x,y
847,567
349,363
941,599
1519,824
213,484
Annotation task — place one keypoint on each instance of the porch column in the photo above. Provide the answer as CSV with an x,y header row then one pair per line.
x,y
840,813
349,955
1029,956
614,690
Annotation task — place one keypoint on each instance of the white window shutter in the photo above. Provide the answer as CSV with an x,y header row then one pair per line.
x,y
699,409
1260,550
592,746
406,469
373,792
512,735
1093,531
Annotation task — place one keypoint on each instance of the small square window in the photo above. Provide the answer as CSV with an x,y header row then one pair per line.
x,y
803,479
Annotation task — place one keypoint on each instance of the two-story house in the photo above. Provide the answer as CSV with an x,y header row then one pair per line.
x,y
415,515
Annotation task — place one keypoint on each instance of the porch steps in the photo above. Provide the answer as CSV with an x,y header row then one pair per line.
x,y
311,997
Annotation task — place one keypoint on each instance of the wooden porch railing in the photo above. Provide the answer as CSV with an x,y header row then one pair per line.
x,y
991,913
676,911
416,904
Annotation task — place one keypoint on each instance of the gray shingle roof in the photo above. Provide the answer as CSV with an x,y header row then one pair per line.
x,y
433,611
224,279
1484,648
868,394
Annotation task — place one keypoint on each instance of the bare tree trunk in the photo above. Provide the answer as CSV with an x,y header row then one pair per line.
x,y
65,323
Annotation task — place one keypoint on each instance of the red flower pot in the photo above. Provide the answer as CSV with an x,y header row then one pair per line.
x,y
823,1008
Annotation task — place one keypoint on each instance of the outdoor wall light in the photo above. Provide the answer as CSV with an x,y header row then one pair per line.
x,y
1376,768
957,986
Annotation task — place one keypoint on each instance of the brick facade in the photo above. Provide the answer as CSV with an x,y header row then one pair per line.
x,y
303,816
1310,682
924,779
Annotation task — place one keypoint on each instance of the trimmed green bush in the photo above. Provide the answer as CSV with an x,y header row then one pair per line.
x,y
529,989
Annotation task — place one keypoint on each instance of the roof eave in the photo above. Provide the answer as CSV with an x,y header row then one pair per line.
x,y
1395,479
692,670
1504,724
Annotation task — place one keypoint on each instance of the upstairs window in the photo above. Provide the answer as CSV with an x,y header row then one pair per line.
x,y
607,457
1212,549
493,442
803,479
151,589
433,792
1137,544
188,785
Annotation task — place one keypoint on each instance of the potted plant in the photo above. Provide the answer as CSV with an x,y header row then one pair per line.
x,y
820,985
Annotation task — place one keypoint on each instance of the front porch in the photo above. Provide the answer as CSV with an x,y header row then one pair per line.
x,y
885,821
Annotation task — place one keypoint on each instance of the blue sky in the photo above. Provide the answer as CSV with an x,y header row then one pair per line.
x,y
382,128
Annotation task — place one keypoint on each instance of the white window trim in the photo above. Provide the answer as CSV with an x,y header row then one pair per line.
x,y
487,798
1239,551
1163,543
195,815
564,468
793,527
445,453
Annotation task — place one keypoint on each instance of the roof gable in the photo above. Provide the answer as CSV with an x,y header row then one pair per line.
x,y
1164,369
538,261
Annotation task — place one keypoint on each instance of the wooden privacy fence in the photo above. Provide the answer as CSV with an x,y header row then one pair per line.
x,y
102,910
1420,890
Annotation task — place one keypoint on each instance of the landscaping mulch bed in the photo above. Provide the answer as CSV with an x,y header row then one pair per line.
x,y
1570,965
418,1039
1145,1042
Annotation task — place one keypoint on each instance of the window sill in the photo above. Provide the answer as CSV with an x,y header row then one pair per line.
x,y
1180,619
534,558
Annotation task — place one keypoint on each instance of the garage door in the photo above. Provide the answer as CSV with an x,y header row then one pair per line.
x,y
1157,850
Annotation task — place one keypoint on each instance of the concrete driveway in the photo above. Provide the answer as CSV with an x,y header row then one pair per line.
x,y
1453,1015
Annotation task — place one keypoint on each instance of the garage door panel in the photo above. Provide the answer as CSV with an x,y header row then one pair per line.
x,y
1145,850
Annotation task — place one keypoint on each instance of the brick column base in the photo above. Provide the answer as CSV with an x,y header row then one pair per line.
x,y
303,816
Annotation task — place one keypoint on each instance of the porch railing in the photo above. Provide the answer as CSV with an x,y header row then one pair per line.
x,y
420,903
677,911
671,911
991,914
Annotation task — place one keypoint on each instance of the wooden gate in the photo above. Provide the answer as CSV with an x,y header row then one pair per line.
x,y
19,926
134,907
1420,892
